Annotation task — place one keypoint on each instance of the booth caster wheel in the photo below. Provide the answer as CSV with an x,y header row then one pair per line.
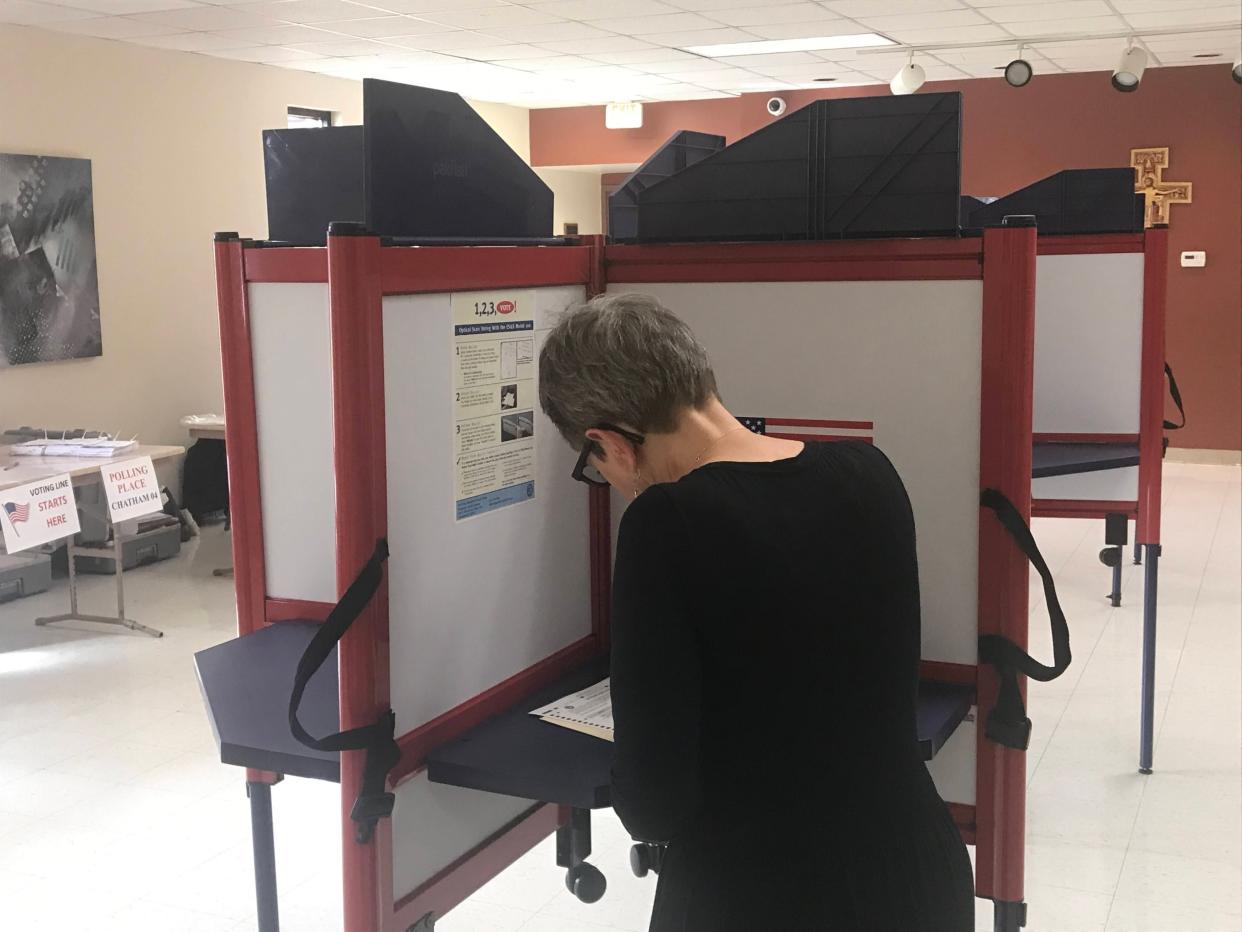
x,y
645,859
586,882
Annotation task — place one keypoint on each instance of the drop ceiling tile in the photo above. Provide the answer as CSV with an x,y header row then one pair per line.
x,y
499,17
710,6
444,41
264,54
942,20
110,27
22,13
601,9
208,18
681,40
418,7
1068,27
383,27
1187,57
274,35
504,53
710,78
1126,7
828,26
775,58
554,64
125,7
550,32
591,46
188,42
685,92
1224,40
773,13
864,8
1201,16
640,56
648,25
680,65
310,12
803,73
342,46
1028,12
954,35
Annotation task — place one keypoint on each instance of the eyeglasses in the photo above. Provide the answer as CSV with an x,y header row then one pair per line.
x,y
584,471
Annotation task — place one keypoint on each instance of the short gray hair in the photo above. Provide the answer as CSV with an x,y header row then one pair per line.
x,y
625,360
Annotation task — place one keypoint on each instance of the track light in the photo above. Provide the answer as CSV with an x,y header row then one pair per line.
x,y
1237,69
1018,73
1129,70
909,79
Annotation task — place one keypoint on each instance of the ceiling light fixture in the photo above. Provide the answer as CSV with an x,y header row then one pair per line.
x,y
1129,70
865,40
1237,69
1018,73
909,79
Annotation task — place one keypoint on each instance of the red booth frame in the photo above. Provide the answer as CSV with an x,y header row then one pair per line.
x,y
360,272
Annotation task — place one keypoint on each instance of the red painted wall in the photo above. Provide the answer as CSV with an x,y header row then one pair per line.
x,y
1012,137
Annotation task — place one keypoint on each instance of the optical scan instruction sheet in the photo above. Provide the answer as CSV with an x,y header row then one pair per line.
x,y
493,400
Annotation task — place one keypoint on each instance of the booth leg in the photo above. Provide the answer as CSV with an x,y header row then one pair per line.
x,y
573,847
1115,596
1138,552
1008,916
1146,738
264,841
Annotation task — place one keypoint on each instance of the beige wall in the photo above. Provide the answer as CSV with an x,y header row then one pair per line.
x,y
578,198
174,141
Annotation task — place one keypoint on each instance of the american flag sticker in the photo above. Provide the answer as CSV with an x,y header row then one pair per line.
x,y
810,429
17,514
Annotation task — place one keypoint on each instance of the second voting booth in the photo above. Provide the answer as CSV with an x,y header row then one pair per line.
x,y
389,462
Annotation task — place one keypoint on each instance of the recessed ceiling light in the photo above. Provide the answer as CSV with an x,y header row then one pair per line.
x,y
863,40
1208,55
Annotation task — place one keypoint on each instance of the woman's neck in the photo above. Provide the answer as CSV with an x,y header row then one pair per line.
x,y
704,435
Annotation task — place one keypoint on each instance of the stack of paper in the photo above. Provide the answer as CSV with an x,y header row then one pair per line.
x,y
100,448
588,711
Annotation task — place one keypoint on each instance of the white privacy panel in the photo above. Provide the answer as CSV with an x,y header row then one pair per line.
x,y
433,825
1088,343
471,602
291,347
904,355
1106,485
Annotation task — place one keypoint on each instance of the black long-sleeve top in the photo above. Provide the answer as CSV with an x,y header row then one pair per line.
x,y
764,680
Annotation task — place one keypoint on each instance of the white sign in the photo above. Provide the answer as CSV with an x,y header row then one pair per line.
x,y
132,489
494,400
38,513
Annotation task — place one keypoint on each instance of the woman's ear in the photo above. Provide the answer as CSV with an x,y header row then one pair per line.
x,y
618,452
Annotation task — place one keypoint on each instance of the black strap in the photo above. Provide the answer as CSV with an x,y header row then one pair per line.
x,y
1008,723
1177,400
377,739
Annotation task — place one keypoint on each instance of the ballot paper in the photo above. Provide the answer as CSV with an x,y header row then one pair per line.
x,y
588,711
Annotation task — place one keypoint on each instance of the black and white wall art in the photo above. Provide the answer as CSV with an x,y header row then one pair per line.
x,y
49,289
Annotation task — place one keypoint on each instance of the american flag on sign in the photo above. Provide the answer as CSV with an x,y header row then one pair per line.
x,y
810,429
17,513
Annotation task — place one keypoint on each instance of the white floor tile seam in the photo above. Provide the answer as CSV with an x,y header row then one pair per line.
x,y
1158,721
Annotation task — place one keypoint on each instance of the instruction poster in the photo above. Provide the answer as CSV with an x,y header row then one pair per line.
x,y
38,513
494,400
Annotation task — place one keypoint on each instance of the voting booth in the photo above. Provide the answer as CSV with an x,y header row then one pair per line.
x,y
387,393
1099,403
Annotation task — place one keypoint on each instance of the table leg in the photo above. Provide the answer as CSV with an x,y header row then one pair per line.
x,y
1147,734
264,842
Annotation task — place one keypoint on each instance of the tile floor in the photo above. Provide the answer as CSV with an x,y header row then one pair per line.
x,y
115,815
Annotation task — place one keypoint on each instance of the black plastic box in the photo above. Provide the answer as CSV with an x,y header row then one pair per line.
x,y
858,167
1078,200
